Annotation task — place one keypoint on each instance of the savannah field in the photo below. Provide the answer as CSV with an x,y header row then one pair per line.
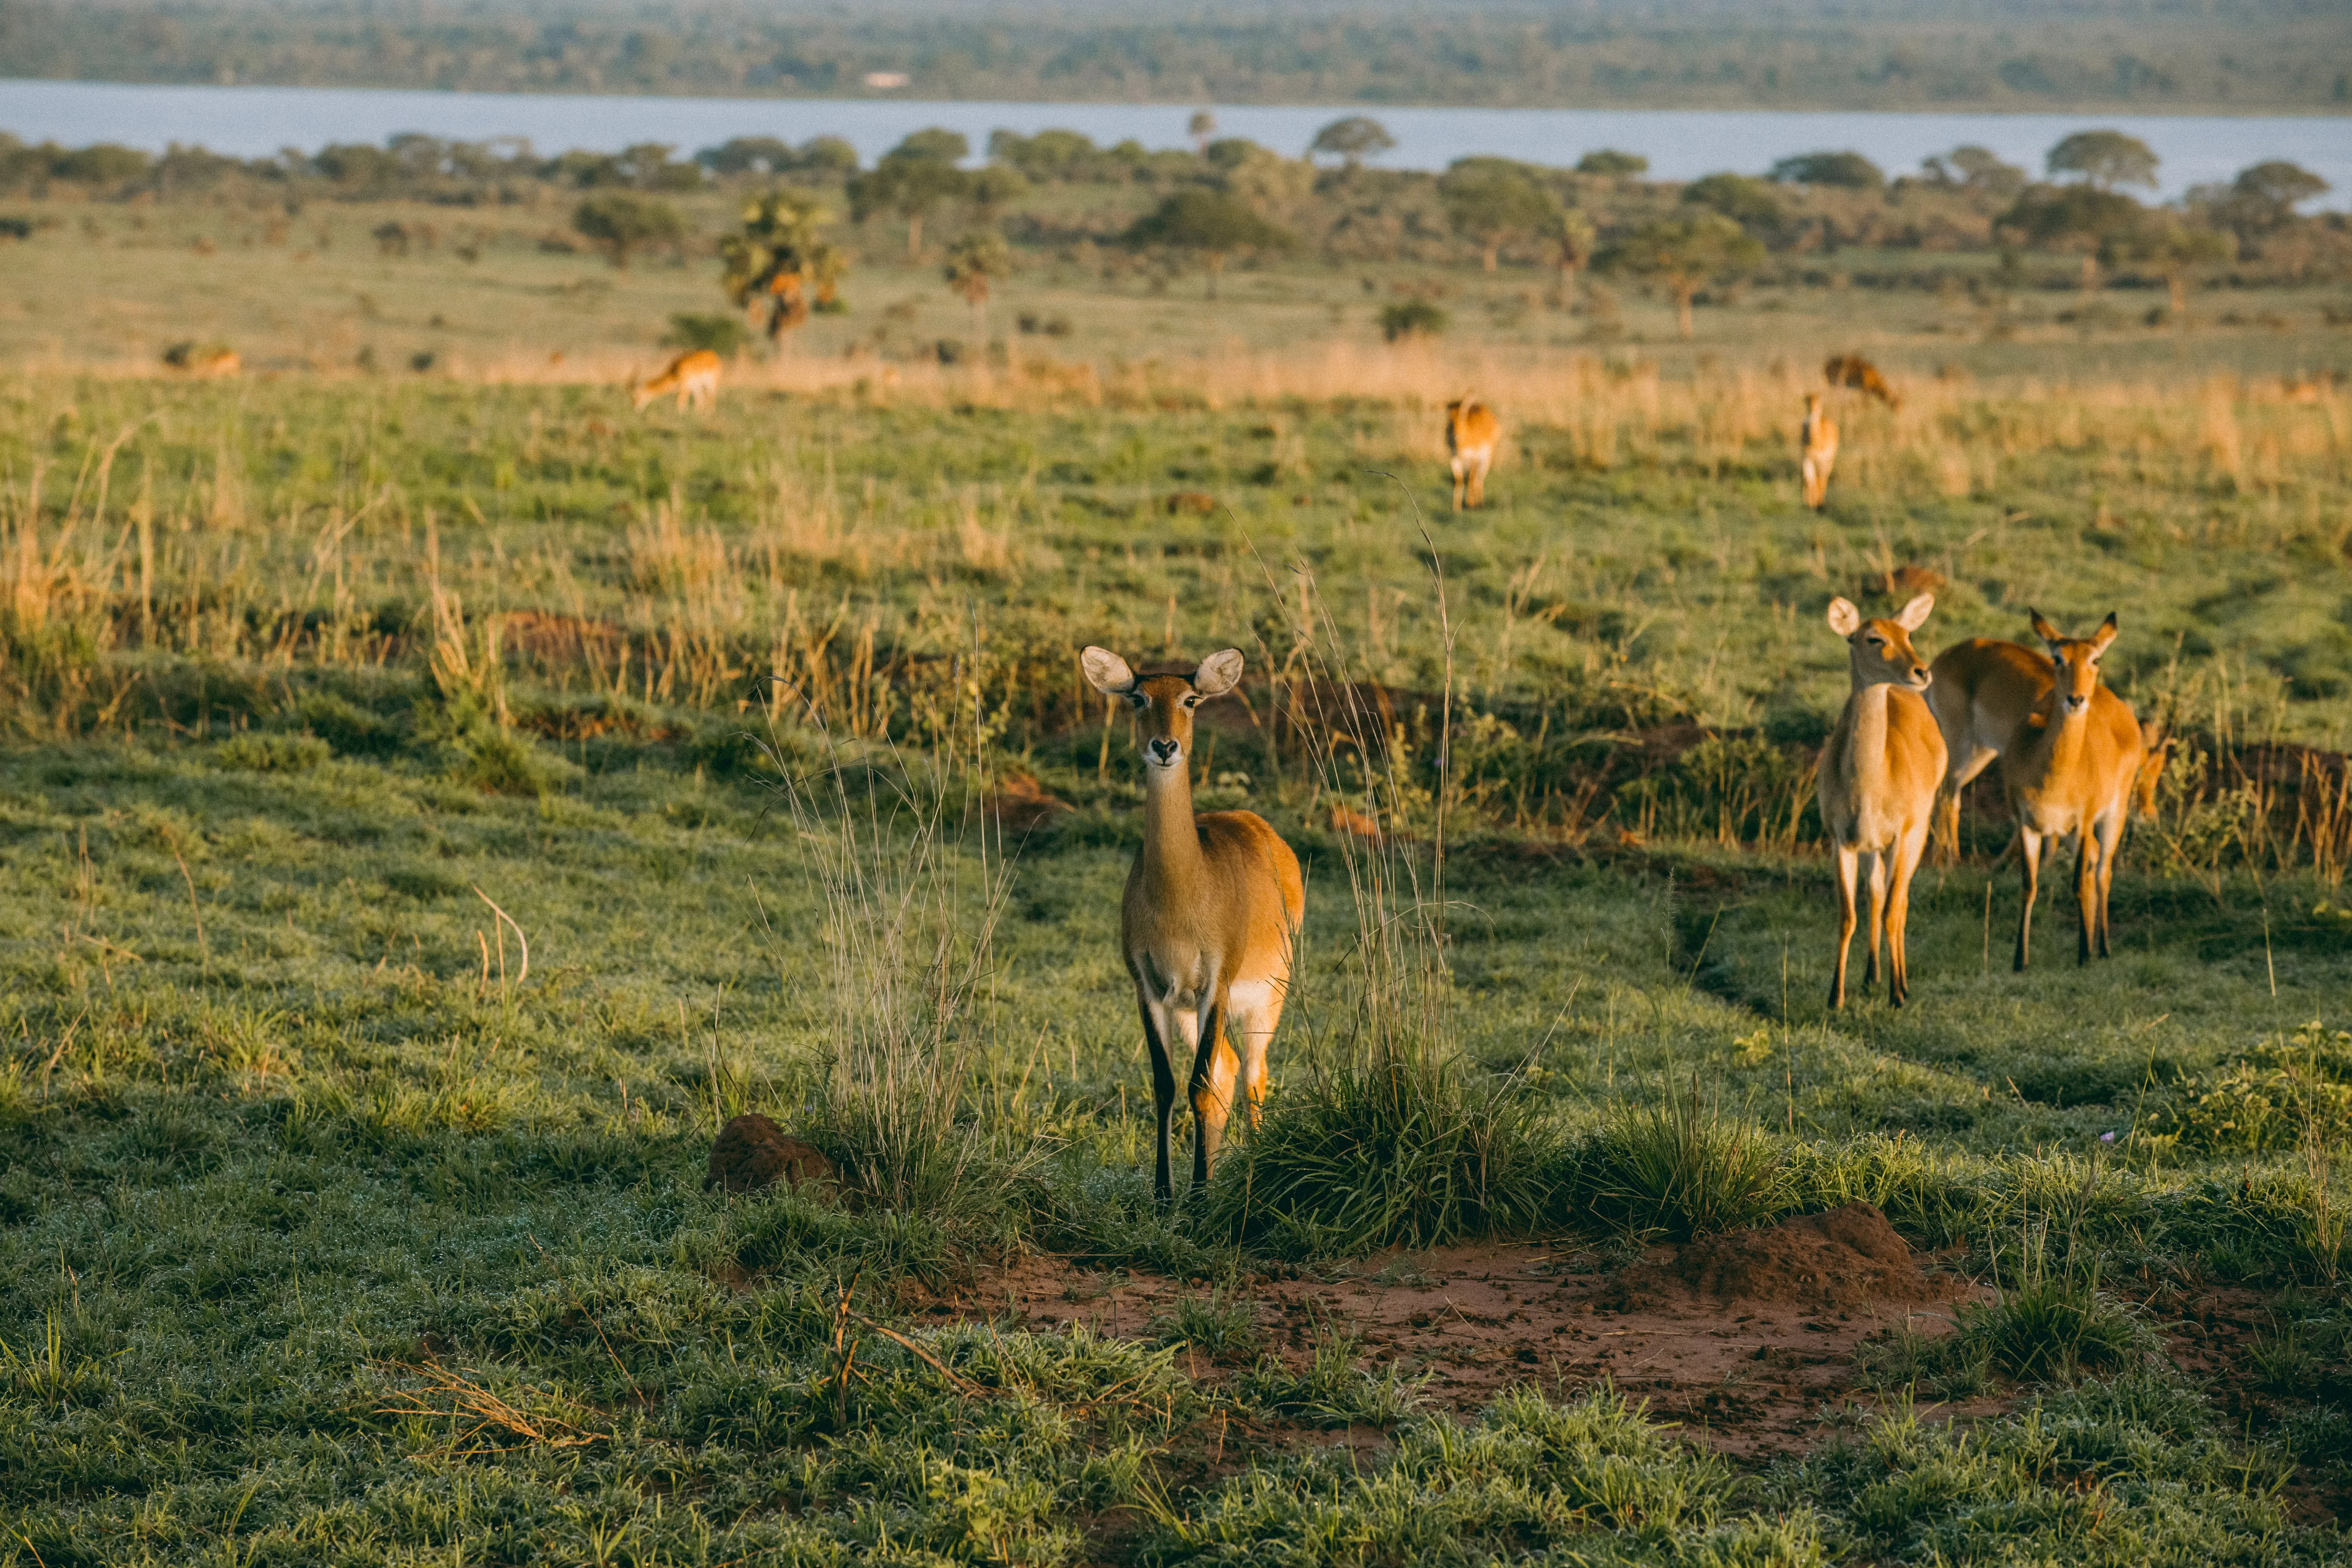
x,y
336,1227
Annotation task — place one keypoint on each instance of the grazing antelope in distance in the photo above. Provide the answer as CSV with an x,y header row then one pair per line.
x,y
1877,784
1818,440
693,375
1855,371
2071,768
1212,910
1472,432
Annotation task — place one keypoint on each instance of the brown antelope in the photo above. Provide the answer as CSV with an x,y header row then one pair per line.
x,y
2071,768
1877,784
1472,432
1855,371
1819,439
1983,689
1212,910
693,375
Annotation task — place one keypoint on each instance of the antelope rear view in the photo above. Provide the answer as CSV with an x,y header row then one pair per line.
x,y
1471,432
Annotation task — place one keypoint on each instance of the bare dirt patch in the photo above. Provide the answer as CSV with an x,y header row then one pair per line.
x,y
1748,1339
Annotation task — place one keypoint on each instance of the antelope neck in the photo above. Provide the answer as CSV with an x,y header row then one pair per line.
x,y
1171,841
1867,745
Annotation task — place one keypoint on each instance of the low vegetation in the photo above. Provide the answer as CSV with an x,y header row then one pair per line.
x,y
436,802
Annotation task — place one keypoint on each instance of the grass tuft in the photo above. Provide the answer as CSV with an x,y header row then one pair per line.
x,y
1679,1169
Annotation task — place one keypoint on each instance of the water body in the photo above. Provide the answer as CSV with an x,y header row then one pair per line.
x,y
250,121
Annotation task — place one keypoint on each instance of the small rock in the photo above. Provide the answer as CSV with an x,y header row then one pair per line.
x,y
752,1152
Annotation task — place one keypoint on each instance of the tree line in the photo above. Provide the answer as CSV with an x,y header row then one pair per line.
x,y
2236,55
1227,197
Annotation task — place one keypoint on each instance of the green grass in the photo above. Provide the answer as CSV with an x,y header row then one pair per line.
x,y
326,1233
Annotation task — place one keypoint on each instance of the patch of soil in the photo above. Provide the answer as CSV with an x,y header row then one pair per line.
x,y
1743,1342
1847,1257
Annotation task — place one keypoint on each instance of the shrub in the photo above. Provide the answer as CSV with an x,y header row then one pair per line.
x,y
1411,318
719,332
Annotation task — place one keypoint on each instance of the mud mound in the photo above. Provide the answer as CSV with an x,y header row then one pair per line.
x,y
751,1153
1847,1257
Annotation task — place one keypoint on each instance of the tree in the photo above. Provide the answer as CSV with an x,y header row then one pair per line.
x,y
911,187
1494,201
749,155
1353,140
1743,198
1684,254
937,143
1211,223
994,189
1571,234
1200,128
1850,170
2079,219
2105,158
1613,165
778,263
2177,251
975,263
2262,197
1975,168
618,223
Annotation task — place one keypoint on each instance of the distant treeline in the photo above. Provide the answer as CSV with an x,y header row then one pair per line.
x,y
2240,55
1059,191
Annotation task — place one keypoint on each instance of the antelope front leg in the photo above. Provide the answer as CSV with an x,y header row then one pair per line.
x,y
1907,853
1157,1023
1845,873
1211,1091
2029,860
2086,893
2111,833
1878,867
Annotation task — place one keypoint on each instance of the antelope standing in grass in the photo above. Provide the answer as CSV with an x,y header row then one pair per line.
x,y
1983,689
1212,910
2073,767
1471,434
1877,784
693,375
1818,440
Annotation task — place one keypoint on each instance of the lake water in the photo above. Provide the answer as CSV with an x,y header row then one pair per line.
x,y
1680,143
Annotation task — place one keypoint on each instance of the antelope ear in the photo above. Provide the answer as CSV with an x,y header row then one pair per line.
x,y
1107,673
1219,673
2105,635
1914,614
1844,619
2043,629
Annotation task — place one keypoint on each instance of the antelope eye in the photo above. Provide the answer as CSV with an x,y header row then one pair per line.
x,y
1192,703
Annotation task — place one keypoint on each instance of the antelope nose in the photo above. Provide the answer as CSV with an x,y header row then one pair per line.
x,y
1163,751
2074,704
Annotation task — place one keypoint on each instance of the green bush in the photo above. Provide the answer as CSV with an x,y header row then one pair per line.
x,y
1411,318
720,332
